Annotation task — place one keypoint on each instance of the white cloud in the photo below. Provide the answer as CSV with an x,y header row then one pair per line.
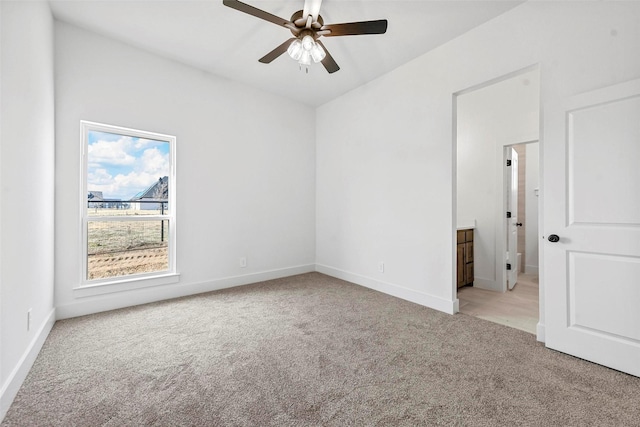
x,y
155,162
111,152
143,142
98,176
134,180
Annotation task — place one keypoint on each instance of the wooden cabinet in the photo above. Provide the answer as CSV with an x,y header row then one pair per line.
x,y
465,257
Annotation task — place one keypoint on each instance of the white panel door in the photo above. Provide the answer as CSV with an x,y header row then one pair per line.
x,y
592,203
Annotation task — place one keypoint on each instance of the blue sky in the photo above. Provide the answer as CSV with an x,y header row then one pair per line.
x,y
121,166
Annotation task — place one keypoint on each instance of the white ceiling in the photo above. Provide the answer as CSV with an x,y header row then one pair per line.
x,y
210,36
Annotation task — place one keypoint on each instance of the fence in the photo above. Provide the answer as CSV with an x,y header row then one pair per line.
x,y
121,236
109,236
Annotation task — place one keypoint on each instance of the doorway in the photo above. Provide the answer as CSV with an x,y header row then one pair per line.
x,y
518,306
523,209
495,122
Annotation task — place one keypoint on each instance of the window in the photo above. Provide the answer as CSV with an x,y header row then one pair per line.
x,y
128,204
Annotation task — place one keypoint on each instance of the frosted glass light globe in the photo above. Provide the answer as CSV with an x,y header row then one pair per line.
x,y
308,43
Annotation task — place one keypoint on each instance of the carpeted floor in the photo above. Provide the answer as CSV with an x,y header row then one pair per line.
x,y
310,350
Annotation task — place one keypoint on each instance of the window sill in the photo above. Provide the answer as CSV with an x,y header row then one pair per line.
x,y
125,285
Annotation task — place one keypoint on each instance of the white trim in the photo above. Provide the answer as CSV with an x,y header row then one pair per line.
x,y
102,127
11,387
427,300
130,280
126,284
540,332
454,201
82,307
125,218
531,269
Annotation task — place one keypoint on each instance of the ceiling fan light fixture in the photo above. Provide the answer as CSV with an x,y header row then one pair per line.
x,y
308,43
307,26
317,53
305,58
295,50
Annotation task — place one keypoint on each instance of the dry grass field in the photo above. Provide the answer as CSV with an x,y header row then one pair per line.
x,y
124,263
120,248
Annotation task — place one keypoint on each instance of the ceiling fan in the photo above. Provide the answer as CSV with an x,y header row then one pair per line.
x,y
307,26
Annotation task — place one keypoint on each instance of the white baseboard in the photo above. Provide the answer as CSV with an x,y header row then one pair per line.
x,y
540,332
11,387
531,269
84,306
398,291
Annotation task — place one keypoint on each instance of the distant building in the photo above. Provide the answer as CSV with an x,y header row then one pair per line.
x,y
156,197
95,199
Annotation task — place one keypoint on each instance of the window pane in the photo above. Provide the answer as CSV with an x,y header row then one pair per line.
x,y
121,248
126,175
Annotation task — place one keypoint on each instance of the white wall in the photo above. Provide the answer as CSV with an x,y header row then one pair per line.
x,y
245,171
27,178
504,113
385,151
533,182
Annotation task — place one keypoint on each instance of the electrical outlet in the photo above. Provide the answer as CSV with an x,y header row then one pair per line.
x,y
381,267
28,320
243,262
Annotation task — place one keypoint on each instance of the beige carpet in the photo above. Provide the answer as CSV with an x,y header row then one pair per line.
x,y
307,351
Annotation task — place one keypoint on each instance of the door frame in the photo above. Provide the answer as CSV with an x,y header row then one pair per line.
x,y
501,232
501,272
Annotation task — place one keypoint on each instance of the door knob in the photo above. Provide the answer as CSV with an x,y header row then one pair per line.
x,y
553,238
519,224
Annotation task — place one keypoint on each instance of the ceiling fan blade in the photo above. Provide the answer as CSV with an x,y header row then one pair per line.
x,y
276,52
311,7
258,13
328,61
356,28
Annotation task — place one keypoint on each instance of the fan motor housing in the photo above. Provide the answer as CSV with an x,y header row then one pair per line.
x,y
297,15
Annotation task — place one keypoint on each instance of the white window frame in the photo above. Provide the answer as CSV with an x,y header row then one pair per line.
x,y
133,281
